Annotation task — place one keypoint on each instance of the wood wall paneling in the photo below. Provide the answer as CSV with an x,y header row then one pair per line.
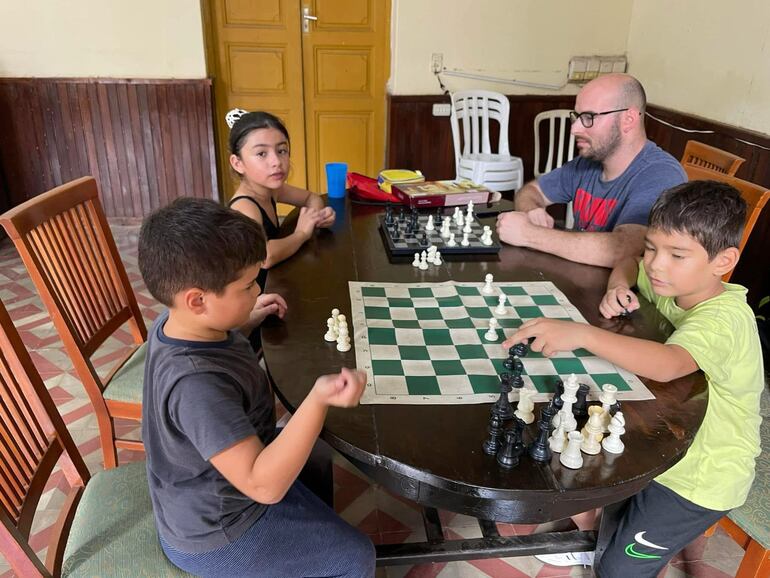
x,y
146,142
418,140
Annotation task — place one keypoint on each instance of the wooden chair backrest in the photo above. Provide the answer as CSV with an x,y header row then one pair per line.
x,y
32,438
756,197
66,244
708,157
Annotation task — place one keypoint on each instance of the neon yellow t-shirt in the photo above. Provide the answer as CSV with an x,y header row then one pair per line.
x,y
721,336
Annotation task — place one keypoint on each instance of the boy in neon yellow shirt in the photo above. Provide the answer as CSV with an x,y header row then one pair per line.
x,y
692,240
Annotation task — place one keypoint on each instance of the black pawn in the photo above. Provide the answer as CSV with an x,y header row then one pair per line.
x,y
492,444
502,407
557,401
517,382
538,449
580,407
401,215
547,413
518,428
508,363
519,350
388,214
507,456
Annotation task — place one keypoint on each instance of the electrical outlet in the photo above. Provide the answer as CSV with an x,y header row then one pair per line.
x,y
436,62
440,109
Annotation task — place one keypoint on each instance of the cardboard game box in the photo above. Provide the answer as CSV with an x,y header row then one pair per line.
x,y
443,193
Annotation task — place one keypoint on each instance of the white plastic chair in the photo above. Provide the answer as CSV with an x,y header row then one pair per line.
x,y
559,147
472,110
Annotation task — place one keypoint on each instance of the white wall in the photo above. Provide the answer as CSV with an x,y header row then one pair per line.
x,y
530,40
111,38
710,58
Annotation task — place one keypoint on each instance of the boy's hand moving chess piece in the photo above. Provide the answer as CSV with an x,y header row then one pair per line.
x,y
619,300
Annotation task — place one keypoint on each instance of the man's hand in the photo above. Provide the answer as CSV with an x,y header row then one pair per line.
x,y
267,304
551,335
540,217
514,228
619,300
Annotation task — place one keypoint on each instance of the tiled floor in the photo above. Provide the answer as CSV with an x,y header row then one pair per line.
x,y
385,517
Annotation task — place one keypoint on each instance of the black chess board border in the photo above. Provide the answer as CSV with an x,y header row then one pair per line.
x,y
473,249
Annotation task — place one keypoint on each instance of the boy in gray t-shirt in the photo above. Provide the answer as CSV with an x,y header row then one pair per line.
x,y
222,483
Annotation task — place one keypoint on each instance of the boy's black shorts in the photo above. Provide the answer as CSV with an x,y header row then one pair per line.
x,y
656,525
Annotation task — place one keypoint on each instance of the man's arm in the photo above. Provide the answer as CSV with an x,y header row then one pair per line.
x,y
530,197
602,249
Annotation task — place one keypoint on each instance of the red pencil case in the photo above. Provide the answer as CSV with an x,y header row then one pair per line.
x,y
366,188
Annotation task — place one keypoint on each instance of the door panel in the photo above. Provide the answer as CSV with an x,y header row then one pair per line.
x,y
346,67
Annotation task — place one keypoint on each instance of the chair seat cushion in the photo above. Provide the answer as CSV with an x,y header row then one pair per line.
x,y
754,516
126,384
113,533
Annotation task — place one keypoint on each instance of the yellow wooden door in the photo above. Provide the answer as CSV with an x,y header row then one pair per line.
x,y
327,83
346,66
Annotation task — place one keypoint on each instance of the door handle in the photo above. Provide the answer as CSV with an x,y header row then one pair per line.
x,y
306,18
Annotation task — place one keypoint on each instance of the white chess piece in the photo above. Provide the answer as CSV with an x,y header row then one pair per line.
x,y
571,387
423,261
613,444
331,330
451,242
465,242
488,289
525,406
467,228
416,262
608,398
460,219
491,334
558,437
335,313
486,236
341,320
343,343
429,224
437,258
592,432
455,214
571,456
500,309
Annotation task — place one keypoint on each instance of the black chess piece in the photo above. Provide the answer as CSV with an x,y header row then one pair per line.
x,y
580,407
401,215
519,350
615,408
495,429
518,428
508,363
517,382
557,401
502,407
539,450
423,239
507,456
547,413
388,214
518,366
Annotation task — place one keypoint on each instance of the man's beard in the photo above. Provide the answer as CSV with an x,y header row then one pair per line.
x,y
599,151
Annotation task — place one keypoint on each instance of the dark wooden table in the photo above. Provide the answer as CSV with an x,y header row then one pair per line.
x,y
432,454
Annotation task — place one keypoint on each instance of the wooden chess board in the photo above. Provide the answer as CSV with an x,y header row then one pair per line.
x,y
423,343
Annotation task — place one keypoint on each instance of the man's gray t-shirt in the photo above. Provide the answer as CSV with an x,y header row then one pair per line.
x,y
200,398
603,205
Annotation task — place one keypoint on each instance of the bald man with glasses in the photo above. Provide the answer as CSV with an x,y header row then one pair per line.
x,y
612,184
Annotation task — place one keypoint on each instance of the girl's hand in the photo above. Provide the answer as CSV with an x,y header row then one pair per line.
x,y
343,389
308,220
617,301
327,217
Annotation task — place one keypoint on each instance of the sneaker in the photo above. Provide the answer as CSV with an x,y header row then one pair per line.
x,y
567,559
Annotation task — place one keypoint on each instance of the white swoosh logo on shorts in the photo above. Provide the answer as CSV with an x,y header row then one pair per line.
x,y
640,538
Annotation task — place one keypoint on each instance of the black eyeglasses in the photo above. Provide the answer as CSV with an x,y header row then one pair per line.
x,y
587,118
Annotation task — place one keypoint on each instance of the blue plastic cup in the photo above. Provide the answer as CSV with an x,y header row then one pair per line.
x,y
336,175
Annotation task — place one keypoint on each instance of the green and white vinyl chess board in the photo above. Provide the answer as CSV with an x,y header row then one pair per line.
x,y
423,343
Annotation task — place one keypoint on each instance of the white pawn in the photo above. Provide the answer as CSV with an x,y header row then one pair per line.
x,y
488,289
423,261
416,262
491,334
460,219
525,406
467,228
335,313
592,432
500,309
558,437
613,444
437,258
342,321
486,236
331,330
571,456
429,224
456,214
608,398
465,242
343,339
451,242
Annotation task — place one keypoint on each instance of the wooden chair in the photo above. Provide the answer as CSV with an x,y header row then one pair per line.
x,y
756,197
106,525
705,156
65,243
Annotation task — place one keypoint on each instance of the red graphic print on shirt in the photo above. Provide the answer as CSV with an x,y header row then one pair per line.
x,y
592,213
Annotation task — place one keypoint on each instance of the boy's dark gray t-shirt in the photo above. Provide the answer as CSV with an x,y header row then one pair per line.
x,y
200,398
600,205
